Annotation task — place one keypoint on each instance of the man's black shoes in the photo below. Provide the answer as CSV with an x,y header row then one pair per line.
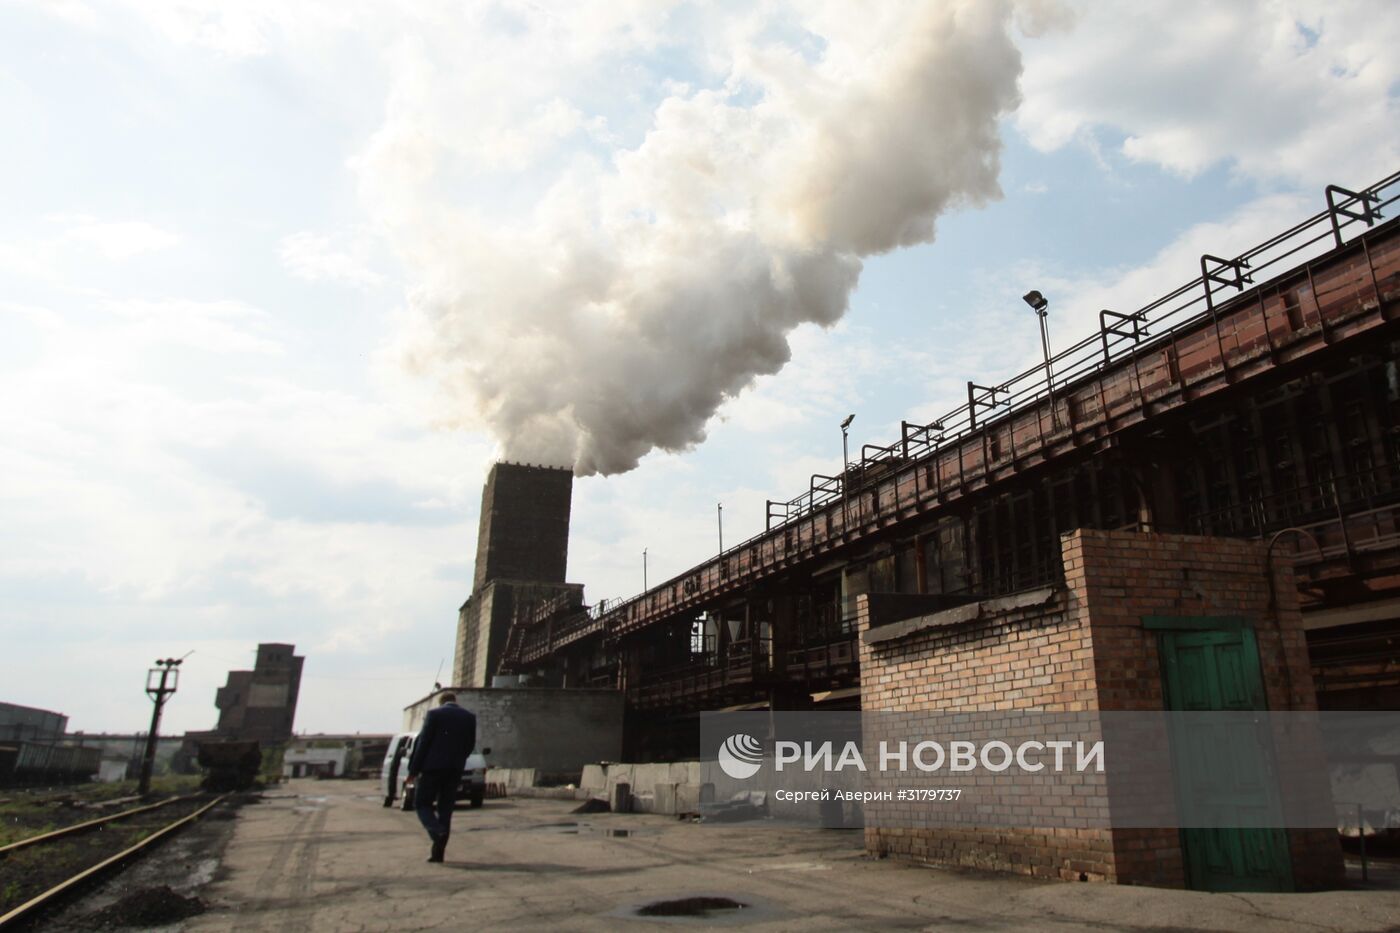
x,y
439,848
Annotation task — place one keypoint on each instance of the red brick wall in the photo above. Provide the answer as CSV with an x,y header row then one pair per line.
x,y
1123,577
1126,576
1034,658
1087,649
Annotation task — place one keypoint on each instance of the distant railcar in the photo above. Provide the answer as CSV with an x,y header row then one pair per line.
x,y
230,765
41,763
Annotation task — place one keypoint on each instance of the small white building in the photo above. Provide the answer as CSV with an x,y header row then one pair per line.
x,y
332,756
314,762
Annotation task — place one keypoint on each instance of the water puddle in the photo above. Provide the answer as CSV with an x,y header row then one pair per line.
x,y
703,909
690,907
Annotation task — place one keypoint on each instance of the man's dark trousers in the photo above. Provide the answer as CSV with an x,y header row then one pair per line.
x,y
439,755
434,798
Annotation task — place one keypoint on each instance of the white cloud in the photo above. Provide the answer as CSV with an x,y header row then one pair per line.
x,y
238,31
68,241
152,488
1178,262
319,257
1300,92
216,326
74,12
148,506
1008,343
673,267
117,240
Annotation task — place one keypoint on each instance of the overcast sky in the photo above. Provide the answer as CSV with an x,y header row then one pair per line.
x,y
278,281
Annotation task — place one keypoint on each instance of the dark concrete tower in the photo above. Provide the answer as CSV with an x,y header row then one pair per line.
x,y
262,703
522,550
524,531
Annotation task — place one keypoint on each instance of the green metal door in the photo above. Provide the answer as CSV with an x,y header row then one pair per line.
x,y
1223,769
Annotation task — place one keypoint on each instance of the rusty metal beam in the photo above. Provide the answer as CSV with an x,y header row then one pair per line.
x,y
1169,372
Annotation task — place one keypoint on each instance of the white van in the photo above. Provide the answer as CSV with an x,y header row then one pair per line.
x,y
393,776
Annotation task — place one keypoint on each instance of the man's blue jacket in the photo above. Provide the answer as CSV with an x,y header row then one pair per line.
x,y
446,739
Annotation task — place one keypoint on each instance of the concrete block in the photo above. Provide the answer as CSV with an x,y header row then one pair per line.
x,y
665,795
687,798
512,778
618,774
648,775
595,777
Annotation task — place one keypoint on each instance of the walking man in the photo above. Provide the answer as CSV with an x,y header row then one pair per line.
x,y
439,755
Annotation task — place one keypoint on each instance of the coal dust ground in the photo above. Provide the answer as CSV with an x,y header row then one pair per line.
x,y
183,864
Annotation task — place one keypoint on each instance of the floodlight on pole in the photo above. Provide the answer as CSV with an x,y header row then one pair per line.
x,y
161,681
1039,304
845,474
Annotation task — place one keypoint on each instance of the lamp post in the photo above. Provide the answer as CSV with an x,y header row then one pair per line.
x,y
719,506
845,475
168,671
644,570
1039,304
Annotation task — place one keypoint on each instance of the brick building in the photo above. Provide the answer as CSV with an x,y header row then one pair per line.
x,y
1100,642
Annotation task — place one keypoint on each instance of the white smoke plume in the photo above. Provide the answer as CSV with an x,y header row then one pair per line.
x,y
659,265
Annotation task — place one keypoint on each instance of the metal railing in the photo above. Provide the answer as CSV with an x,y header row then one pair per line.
x,y
1119,335
1122,336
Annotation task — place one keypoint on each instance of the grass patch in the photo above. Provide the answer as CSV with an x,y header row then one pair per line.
x,y
167,785
33,811
14,833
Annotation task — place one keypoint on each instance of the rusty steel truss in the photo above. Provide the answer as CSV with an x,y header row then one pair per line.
x,y
1317,288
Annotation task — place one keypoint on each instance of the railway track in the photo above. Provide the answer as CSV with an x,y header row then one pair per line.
x,y
38,872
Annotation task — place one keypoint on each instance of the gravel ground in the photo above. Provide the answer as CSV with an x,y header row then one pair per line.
x,y
31,871
131,896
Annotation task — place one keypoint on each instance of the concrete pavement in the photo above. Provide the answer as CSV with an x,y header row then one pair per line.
x,y
324,856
